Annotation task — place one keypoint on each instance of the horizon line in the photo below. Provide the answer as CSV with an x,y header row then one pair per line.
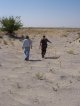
x,y
53,27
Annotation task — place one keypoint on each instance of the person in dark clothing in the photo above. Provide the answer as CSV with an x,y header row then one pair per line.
x,y
43,45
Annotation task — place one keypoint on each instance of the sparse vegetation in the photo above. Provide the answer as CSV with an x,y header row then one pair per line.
x,y
64,35
40,76
71,52
5,42
40,81
12,43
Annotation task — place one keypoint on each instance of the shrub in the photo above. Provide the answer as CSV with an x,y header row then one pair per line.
x,y
10,24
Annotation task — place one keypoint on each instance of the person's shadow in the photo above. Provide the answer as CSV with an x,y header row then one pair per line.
x,y
53,57
35,60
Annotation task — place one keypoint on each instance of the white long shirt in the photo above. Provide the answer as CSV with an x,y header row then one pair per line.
x,y
27,43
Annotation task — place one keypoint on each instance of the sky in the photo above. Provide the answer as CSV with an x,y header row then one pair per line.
x,y
43,13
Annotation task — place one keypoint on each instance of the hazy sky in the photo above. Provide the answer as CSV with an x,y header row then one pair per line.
x,y
43,13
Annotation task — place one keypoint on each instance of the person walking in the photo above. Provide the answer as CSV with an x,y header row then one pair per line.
x,y
43,45
27,44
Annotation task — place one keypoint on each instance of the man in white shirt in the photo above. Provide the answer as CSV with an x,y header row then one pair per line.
x,y
27,44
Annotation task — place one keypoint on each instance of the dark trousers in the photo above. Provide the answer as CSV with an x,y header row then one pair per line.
x,y
43,51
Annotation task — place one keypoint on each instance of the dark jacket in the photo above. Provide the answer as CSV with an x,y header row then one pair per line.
x,y
43,42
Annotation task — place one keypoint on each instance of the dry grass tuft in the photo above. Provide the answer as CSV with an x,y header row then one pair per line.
x,y
12,43
64,35
71,52
40,76
5,42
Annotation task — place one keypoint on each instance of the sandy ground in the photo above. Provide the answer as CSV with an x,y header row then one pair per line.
x,y
54,81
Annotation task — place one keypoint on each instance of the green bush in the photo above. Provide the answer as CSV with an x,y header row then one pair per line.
x,y
10,24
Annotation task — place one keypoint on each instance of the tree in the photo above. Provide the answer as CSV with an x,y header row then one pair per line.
x,y
10,24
